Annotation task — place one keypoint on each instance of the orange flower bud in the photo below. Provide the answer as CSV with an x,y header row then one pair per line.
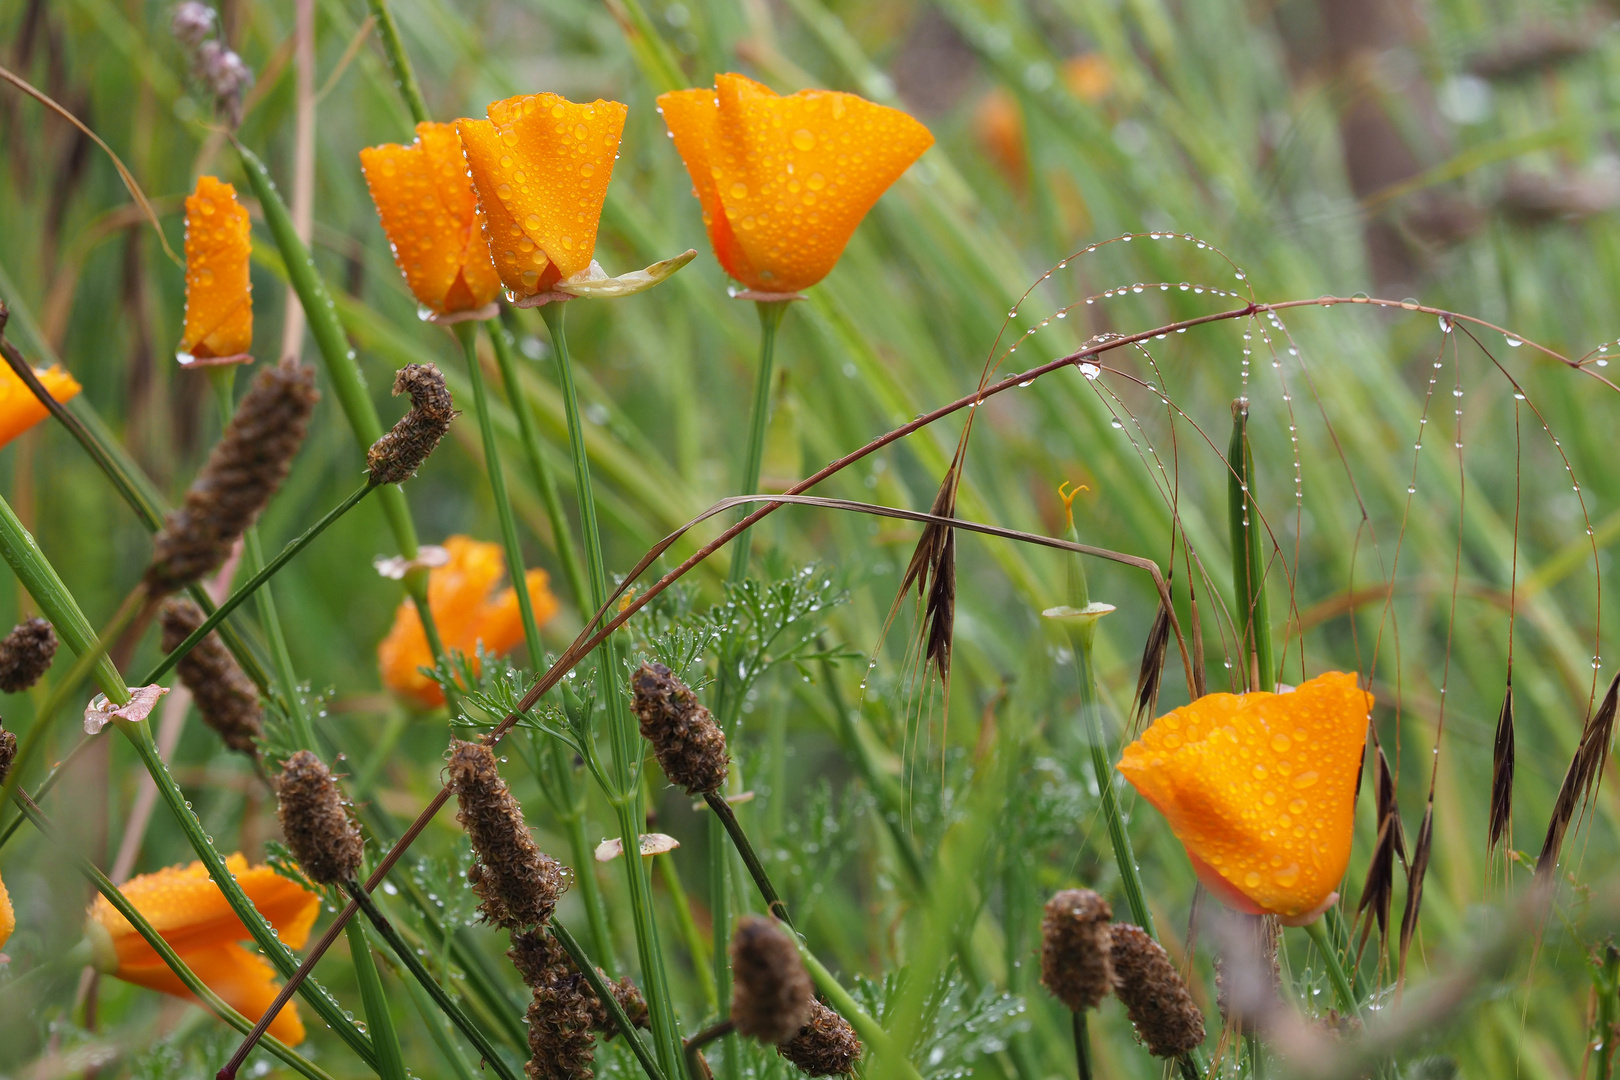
x,y
429,212
785,180
219,296
20,409
540,166
189,911
466,614
1260,790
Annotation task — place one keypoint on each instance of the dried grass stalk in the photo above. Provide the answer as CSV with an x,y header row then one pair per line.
x,y
26,654
226,698
394,458
933,571
519,884
1378,893
323,839
1582,779
1502,774
1151,673
1414,884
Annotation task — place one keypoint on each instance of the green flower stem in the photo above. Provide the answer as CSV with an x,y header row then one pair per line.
x,y
745,849
420,973
1342,990
1082,1045
596,915
529,432
324,1004
249,587
880,1045
623,737
770,319
1248,565
669,873
379,1019
1257,1056
399,64
439,1031
210,1000
599,987
467,335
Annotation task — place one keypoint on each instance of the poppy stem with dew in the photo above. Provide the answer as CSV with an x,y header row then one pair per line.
x,y
379,1019
770,320
1316,930
624,738
750,858
1082,1044
407,956
1248,565
467,335
399,63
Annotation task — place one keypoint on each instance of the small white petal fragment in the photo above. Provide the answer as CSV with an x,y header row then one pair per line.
x,y
593,280
396,567
1090,611
100,711
651,844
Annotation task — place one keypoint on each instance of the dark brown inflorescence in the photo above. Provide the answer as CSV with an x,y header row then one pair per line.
x,y
26,654
771,994
394,458
561,1042
226,698
325,842
8,752
689,744
1155,997
519,883
245,468
1075,944
826,1046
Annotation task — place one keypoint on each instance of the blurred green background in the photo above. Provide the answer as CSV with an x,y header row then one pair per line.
x,y
1459,152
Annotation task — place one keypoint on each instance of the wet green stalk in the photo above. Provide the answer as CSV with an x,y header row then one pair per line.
x,y
1248,565
379,1019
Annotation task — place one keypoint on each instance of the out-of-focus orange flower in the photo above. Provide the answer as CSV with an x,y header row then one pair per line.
x,y
785,180
219,296
8,917
540,166
20,409
999,123
188,910
1089,77
430,214
1260,789
466,614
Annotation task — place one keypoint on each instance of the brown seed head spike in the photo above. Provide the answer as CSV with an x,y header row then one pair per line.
x,y
771,994
325,842
26,654
542,962
560,1039
1155,997
684,736
1075,944
519,883
826,1046
394,458
245,468
8,752
226,698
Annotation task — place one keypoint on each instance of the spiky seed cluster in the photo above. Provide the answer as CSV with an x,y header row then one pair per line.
x,y
565,1013
1155,997
226,698
771,994
394,458
519,883
688,743
323,839
246,467
1075,944
825,1046
8,752
26,654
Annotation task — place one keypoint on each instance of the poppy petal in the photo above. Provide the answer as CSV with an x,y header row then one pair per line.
x,y
245,980
693,118
20,409
219,295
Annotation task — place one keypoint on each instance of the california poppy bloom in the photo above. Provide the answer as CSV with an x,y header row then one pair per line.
x,y
20,409
189,911
430,214
1260,790
785,180
540,166
466,614
8,917
219,296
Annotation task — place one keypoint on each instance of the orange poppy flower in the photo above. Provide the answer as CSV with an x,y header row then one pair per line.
x,y
785,180
190,912
20,409
8,917
430,213
459,596
1260,789
540,166
219,296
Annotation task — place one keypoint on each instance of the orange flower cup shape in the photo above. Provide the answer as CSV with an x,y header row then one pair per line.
x,y
540,166
20,409
430,214
466,614
1260,790
219,296
8,917
191,914
785,180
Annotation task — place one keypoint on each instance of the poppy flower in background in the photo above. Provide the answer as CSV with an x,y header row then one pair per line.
x,y
999,121
430,214
189,911
466,615
1260,790
20,409
785,180
219,296
8,917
